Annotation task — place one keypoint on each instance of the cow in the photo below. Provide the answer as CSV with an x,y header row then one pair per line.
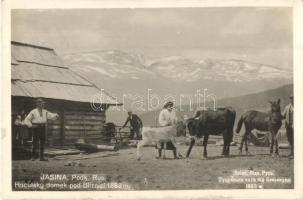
x,y
212,122
157,135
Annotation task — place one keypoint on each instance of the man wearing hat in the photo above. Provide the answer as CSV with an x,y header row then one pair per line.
x,y
288,115
135,124
37,120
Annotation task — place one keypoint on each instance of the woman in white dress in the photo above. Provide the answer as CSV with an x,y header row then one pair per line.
x,y
167,117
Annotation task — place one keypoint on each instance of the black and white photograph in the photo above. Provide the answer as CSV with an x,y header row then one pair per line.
x,y
152,99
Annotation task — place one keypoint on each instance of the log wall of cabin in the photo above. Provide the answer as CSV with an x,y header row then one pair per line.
x,y
83,125
77,121
54,127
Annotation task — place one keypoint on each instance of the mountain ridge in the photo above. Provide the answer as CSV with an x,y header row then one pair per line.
x,y
120,72
255,101
173,67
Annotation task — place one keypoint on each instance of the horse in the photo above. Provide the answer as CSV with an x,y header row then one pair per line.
x,y
271,121
212,122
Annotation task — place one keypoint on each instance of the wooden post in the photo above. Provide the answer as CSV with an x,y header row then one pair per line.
x,y
62,122
83,125
46,133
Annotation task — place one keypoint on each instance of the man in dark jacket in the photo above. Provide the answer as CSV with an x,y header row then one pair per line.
x,y
135,125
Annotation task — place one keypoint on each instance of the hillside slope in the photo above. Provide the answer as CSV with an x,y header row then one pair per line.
x,y
256,101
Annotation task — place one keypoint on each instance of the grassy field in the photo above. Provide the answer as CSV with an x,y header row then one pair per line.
x,y
168,174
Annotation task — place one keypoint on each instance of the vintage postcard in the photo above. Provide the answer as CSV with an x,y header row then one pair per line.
x,y
135,100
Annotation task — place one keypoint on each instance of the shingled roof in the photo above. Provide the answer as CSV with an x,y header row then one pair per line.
x,y
39,72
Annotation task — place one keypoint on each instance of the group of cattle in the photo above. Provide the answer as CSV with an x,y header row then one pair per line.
x,y
217,122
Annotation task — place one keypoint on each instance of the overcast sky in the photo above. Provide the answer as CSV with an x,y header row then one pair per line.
x,y
262,35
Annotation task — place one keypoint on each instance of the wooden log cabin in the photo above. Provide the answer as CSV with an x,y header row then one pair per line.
x,y
39,72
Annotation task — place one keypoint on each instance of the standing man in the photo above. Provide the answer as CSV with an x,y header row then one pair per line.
x,y
135,125
36,120
288,115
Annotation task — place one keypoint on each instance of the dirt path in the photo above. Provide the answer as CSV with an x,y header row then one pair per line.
x,y
153,174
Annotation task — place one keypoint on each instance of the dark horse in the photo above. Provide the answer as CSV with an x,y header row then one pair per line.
x,y
210,122
262,121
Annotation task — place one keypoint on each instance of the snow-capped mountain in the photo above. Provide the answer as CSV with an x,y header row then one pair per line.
x,y
229,70
117,71
122,65
109,64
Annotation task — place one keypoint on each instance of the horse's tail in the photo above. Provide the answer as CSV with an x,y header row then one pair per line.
x,y
240,122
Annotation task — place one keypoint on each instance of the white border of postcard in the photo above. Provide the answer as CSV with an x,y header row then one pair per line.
x,y
6,173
